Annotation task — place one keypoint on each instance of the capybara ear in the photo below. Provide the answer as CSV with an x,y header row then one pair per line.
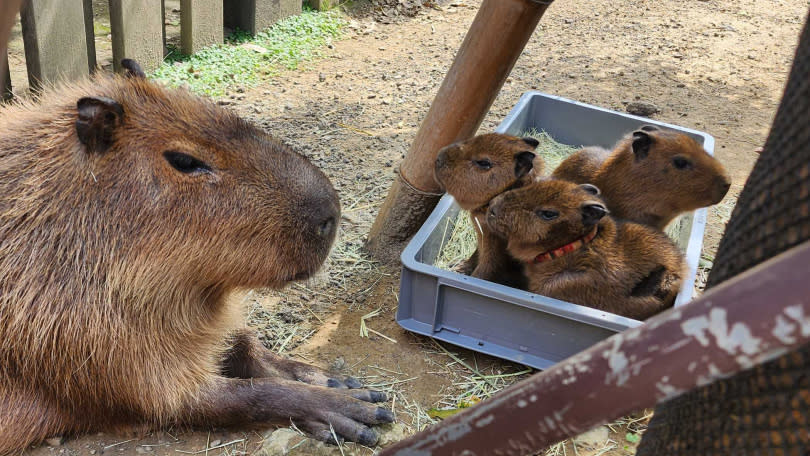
x,y
590,188
524,162
592,213
641,144
531,141
133,68
649,128
98,118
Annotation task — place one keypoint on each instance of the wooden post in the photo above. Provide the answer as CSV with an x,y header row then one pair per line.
x,y
8,11
321,5
200,24
90,34
496,38
137,32
55,40
5,78
253,16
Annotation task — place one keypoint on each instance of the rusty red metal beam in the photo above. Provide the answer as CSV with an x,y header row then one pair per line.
x,y
750,319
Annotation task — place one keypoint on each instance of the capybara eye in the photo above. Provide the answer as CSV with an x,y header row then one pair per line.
x,y
548,215
186,163
681,163
483,164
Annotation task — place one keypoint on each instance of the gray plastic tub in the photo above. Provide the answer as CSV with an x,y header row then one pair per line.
x,y
524,327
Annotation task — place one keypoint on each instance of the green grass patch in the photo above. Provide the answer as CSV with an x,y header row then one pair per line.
x,y
244,60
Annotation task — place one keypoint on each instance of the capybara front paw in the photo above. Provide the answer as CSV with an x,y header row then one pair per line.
x,y
344,416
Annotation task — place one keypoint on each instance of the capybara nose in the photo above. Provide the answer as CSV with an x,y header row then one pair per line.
x,y
592,213
327,228
722,185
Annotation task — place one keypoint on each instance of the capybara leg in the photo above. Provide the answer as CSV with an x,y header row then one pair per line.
x,y
26,420
232,402
248,358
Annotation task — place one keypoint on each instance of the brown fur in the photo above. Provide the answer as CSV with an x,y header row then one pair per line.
x,y
116,268
646,186
628,269
511,163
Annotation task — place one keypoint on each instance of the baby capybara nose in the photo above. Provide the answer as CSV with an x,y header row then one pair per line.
x,y
721,186
592,213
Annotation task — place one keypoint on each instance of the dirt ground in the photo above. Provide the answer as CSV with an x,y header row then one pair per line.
x,y
711,65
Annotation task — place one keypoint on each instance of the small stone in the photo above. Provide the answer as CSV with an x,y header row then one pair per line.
x,y
215,443
641,108
143,449
93,452
55,441
254,47
321,77
390,433
595,438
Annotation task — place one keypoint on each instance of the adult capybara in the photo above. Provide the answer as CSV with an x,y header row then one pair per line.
x,y
574,251
128,213
476,170
651,176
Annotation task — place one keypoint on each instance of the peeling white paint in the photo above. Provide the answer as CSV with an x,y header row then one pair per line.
x,y
617,361
692,366
666,389
784,330
797,314
485,421
732,341
569,380
522,404
676,346
558,415
533,398
550,423
696,327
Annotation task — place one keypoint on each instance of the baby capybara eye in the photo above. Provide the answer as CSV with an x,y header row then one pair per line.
x,y
548,215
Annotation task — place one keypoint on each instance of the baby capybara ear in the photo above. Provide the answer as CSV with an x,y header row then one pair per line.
x,y
524,162
590,188
133,68
98,117
641,144
531,141
649,128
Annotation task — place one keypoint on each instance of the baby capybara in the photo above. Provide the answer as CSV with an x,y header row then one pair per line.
x,y
475,171
128,214
651,176
574,251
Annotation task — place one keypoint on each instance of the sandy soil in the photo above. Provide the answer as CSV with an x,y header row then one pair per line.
x,y
711,65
